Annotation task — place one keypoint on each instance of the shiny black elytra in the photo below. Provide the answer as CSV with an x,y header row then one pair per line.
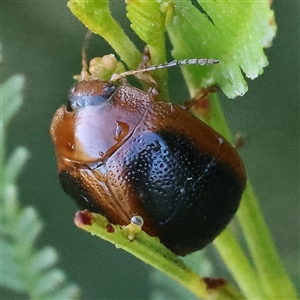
x,y
122,153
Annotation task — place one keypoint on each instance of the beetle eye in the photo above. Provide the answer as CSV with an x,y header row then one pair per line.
x,y
108,90
83,99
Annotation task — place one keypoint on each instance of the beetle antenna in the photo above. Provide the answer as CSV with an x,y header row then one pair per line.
x,y
84,71
173,63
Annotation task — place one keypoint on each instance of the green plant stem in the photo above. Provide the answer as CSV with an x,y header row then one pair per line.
x,y
149,24
97,17
271,274
152,252
239,265
270,269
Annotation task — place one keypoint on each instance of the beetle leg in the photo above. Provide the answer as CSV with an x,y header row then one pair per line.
x,y
145,59
145,76
199,98
239,140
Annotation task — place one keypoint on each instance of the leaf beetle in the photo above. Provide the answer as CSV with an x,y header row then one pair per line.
x,y
123,153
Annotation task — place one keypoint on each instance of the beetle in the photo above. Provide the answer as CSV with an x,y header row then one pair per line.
x,y
121,152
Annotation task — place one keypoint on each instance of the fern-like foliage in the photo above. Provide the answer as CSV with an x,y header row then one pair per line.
x,y
25,270
235,32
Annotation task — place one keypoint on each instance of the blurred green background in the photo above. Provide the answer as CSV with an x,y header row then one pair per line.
x,y
43,41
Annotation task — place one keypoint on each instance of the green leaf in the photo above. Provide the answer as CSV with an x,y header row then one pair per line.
x,y
24,269
66,292
11,97
150,27
148,22
28,227
11,101
10,268
44,259
24,266
235,32
49,282
96,16
15,164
